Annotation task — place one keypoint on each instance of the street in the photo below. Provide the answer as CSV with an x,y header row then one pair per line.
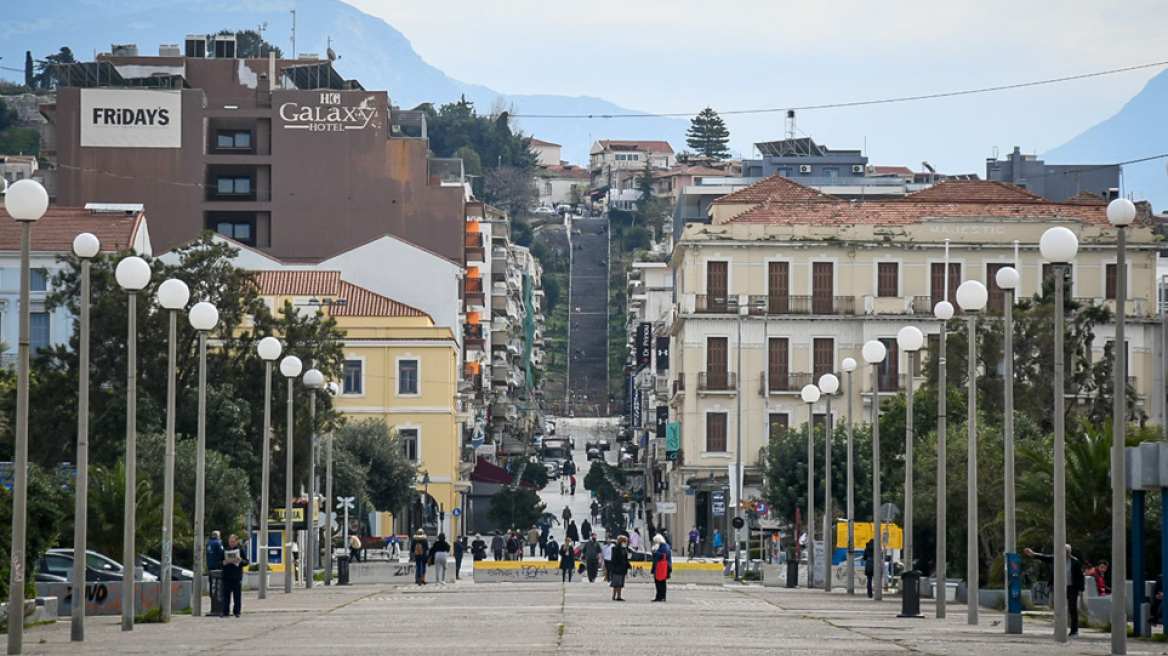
x,y
588,318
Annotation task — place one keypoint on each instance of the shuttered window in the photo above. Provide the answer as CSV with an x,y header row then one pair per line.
x,y
888,279
716,431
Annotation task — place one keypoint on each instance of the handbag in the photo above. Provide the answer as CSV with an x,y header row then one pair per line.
x,y
430,560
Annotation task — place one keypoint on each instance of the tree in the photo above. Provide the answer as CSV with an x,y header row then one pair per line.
x,y
107,494
29,71
513,507
389,479
46,77
785,470
707,134
455,129
533,473
49,521
250,44
8,117
511,189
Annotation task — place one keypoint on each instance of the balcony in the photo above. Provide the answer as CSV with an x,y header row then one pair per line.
x,y
473,291
922,305
716,304
717,381
446,172
810,305
679,384
474,247
780,382
891,382
473,335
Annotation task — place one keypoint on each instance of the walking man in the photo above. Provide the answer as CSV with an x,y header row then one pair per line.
x,y
592,553
533,538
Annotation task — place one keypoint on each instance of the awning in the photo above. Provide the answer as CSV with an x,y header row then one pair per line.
x,y
485,472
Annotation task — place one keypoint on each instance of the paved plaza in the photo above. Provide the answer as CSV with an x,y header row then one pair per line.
x,y
578,618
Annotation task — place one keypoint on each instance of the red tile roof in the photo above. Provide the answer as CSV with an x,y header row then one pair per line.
x,y
775,189
974,191
359,302
648,146
1087,197
54,232
565,171
540,142
892,170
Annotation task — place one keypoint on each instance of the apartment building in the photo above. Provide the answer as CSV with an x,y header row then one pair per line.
x,y
612,162
281,154
786,281
399,367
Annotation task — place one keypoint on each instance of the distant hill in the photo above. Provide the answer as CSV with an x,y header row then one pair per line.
x,y
1137,130
371,51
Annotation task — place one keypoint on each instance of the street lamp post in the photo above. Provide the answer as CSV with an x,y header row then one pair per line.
x,y
829,385
1008,279
332,389
1120,212
269,349
909,339
1059,246
971,296
26,201
173,295
290,366
849,366
739,468
133,274
85,246
313,380
810,395
943,310
874,353
203,317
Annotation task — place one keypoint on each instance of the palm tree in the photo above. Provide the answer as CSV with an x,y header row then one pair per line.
x,y
107,493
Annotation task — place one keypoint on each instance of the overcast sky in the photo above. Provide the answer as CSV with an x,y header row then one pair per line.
x,y
681,55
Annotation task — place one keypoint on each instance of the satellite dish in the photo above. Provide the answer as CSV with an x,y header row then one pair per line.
x,y
332,54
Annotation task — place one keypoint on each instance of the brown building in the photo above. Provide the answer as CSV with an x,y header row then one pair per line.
x,y
283,155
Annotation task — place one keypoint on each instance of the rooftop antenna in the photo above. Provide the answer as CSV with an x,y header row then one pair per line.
x,y
790,124
294,54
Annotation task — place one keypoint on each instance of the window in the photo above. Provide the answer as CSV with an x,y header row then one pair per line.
x,y
822,287
890,368
778,287
1110,285
888,279
38,335
824,354
240,232
997,298
717,367
233,139
229,186
830,172
547,189
937,282
716,431
778,358
1048,273
778,420
409,438
354,377
407,377
717,281
38,280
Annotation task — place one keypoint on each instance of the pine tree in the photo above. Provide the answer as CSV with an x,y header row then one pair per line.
x,y
708,135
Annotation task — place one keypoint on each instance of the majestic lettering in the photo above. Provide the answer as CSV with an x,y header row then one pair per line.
x,y
128,116
972,230
326,119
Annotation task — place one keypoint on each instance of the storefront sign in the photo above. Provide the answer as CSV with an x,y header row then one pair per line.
x,y
662,354
644,344
131,118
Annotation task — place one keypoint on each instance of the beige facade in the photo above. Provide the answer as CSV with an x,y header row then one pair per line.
x,y
815,278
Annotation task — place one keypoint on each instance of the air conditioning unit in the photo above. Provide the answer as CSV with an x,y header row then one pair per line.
x,y
857,168
804,168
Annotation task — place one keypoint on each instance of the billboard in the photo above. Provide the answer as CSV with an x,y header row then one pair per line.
x,y
644,345
663,354
131,118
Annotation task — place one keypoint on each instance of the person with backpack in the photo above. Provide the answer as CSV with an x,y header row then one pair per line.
x,y
419,551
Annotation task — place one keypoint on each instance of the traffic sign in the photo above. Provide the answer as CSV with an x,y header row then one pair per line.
x,y
761,508
345,502
738,522
457,512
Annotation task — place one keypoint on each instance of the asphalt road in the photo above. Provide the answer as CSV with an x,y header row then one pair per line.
x,y
588,318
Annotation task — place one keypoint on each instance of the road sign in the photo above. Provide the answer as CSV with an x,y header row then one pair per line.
x,y
738,522
718,503
666,508
888,512
457,512
345,502
761,508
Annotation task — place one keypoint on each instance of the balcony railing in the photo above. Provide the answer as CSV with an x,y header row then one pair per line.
x,y
473,287
811,305
474,334
716,304
778,382
891,382
717,381
474,247
922,305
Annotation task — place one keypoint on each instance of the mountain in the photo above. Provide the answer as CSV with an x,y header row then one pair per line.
x,y
371,51
1136,131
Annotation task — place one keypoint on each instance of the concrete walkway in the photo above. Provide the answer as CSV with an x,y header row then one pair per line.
x,y
579,618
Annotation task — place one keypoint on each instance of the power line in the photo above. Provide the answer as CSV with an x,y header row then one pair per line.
x,y
861,103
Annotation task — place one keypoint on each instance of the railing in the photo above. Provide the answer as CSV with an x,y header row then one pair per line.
x,y
811,305
474,246
922,305
757,305
473,288
784,382
706,304
891,382
717,381
446,171
474,334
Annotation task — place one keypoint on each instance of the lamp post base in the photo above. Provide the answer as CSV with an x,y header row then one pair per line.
x,y
1014,623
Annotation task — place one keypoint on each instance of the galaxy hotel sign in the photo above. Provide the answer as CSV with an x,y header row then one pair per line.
x,y
131,118
328,114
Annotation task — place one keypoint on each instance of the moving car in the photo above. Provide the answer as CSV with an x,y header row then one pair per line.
x,y
593,453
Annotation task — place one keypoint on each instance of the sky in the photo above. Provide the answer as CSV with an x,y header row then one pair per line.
x,y
679,56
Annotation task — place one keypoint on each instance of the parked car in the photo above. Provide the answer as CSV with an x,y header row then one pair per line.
x,y
154,567
53,567
101,562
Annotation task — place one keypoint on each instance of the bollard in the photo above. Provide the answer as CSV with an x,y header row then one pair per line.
x,y
215,589
343,570
910,594
792,571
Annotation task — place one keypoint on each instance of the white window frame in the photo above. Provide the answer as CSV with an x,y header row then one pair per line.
x,y
397,375
364,376
417,438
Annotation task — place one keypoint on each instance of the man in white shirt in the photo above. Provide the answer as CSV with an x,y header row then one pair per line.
x,y
606,555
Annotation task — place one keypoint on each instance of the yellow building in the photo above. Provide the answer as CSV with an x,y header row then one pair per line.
x,y
400,367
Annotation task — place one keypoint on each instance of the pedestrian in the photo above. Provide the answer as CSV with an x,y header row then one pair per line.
x,y
478,548
635,540
606,556
595,508
533,538
632,515
567,514
497,545
1098,575
585,529
572,533
391,547
234,562
694,535
354,548
512,545
617,567
869,565
1075,583
563,485
419,550
591,554
553,549
572,482
717,543
567,560
544,532
439,555
1157,600
459,551
662,565
214,552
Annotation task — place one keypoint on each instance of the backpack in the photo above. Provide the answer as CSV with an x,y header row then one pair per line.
x,y
418,548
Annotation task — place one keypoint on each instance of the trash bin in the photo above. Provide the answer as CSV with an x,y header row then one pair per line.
x,y
792,570
910,594
215,590
343,570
